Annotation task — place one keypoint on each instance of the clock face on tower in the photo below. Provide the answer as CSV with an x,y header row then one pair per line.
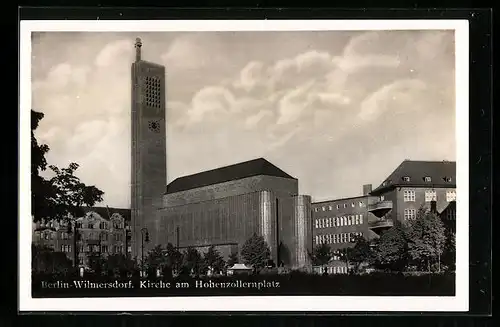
x,y
154,126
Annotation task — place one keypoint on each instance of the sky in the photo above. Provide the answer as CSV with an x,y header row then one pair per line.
x,y
335,109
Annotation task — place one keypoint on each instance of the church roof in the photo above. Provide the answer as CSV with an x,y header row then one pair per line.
x,y
413,174
237,171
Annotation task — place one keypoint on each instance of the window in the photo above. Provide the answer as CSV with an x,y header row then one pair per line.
x,y
427,179
406,178
331,222
451,196
46,236
409,195
356,221
361,219
315,209
430,196
316,239
338,206
345,205
323,208
360,203
90,226
353,205
327,223
78,225
451,214
447,179
64,236
129,249
104,248
330,238
316,223
330,208
103,225
117,225
410,214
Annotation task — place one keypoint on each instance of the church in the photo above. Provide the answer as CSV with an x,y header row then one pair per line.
x,y
222,207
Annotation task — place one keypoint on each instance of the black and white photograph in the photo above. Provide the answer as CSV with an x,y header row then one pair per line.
x,y
244,165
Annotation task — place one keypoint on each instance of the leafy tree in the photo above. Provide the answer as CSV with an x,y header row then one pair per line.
x,y
156,258
322,254
96,263
64,194
426,239
233,259
193,262
119,263
174,259
255,252
46,260
449,255
360,253
391,249
214,260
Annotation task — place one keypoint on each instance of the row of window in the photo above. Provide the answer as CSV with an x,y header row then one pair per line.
x,y
102,248
93,248
337,238
427,179
411,214
430,195
338,206
91,236
102,225
339,221
332,270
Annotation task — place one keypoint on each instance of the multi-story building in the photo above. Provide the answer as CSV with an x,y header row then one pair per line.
x,y
101,231
411,186
338,222
414,185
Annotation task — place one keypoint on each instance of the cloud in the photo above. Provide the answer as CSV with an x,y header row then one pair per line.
x,y
328,109
380,101
113,52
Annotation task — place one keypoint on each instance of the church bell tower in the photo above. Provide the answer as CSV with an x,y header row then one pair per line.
x,y
148,155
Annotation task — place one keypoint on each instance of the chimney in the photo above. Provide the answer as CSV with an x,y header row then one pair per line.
x,y
367,188
433,207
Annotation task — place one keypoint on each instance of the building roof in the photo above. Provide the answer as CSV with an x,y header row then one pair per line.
x,y
338,200
240,266
237,171
442,174
103,212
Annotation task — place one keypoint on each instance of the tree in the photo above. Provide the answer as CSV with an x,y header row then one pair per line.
x,y
156,258
360,253
46,260
255,252
233,259
391,249
427,239
96,263
119,263
174,259
61,196
322,254
449,255
214,260
193,262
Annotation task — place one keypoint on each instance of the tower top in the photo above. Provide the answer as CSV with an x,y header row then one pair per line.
x,y
138,45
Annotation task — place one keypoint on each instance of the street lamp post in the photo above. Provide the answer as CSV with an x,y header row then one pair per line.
x,y
144,238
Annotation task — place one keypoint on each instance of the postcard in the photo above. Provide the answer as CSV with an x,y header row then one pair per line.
x,y
250,165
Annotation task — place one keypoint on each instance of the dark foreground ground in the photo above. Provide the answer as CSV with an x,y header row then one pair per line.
x,y
305,285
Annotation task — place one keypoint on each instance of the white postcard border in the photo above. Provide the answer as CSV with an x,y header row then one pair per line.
x,y
459,302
